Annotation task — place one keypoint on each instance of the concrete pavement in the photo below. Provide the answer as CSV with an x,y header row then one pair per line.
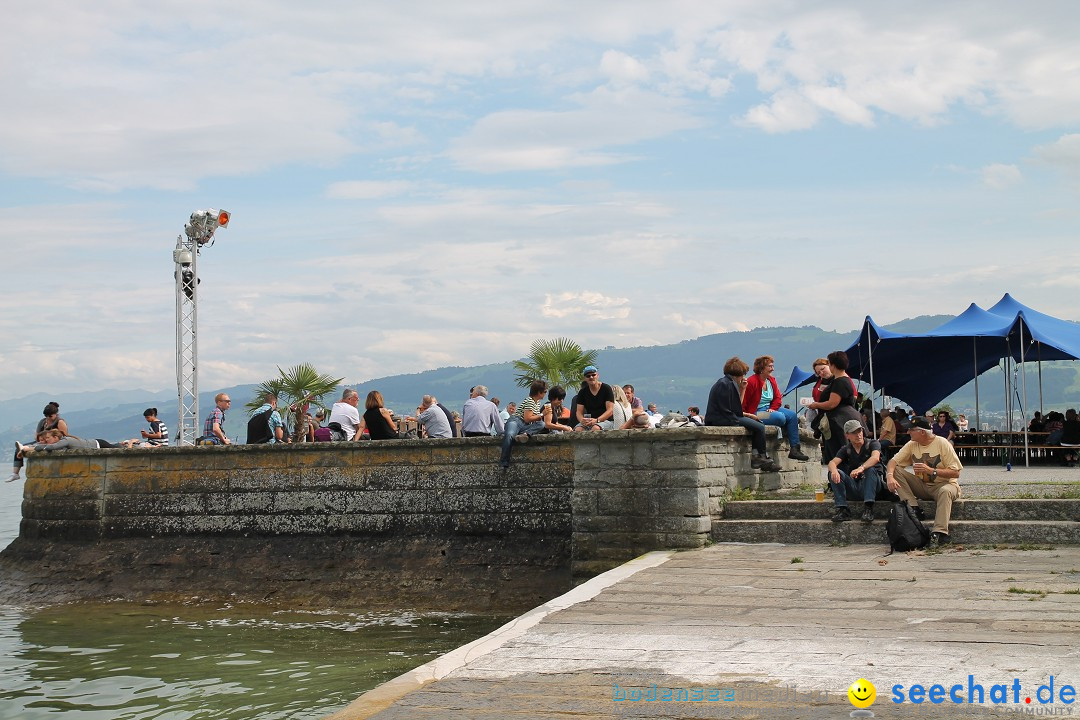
x,y
775,628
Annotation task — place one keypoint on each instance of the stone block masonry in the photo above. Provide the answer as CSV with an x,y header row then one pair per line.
x,y
428,523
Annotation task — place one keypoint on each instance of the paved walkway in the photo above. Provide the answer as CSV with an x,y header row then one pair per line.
x,y
772,627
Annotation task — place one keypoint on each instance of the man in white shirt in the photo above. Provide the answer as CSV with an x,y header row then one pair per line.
x,y
346,415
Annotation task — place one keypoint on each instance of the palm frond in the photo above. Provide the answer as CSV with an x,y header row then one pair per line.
x,y
558,361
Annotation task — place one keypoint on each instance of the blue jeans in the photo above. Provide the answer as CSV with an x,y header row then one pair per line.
x,y
789,421
867,486
514,426
757,433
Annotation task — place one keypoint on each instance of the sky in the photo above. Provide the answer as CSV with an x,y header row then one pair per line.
x,y
421,184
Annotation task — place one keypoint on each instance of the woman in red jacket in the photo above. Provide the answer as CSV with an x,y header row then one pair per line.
x,y
761,400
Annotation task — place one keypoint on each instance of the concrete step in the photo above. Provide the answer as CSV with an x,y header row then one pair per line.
x,y
967,532
1022,490
1012,509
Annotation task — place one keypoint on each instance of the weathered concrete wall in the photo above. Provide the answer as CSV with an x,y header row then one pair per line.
x,y
422,522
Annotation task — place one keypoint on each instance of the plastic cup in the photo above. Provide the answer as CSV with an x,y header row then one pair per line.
x,y
819,495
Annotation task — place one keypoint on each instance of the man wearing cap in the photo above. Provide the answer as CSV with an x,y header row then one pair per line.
x,y
480,416
934,474
855,471
595,403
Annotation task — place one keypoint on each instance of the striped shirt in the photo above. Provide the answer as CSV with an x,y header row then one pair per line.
x,y
529,403
156,426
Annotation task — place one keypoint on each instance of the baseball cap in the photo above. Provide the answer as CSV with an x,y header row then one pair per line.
x,y
920,423
589,369
852,426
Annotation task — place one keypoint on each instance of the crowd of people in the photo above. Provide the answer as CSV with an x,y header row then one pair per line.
x,y
924,467
52,434
856,439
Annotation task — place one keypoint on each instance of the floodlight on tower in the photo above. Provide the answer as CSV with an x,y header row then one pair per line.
x,y
198,231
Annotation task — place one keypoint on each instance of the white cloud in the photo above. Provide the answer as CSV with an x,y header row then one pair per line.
x,y
622,68
696,326
1064,153
585,305
142,97
367,189
786,111
543,140
1001,177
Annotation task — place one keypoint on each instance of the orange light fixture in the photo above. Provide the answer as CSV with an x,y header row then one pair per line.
x,y
223,218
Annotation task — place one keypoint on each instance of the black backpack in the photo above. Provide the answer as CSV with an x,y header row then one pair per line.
x,y
259,428
905,530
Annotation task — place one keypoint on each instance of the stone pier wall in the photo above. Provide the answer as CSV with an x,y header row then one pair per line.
x,y
422,522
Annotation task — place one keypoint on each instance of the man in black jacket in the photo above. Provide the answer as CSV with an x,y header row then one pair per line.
x,y
725,409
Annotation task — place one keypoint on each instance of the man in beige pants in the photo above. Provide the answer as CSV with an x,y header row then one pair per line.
x,y
934,474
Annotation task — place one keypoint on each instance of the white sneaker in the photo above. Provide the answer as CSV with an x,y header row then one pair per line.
x,y
14,476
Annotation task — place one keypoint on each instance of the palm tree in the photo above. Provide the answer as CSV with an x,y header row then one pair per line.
x,y
295,388
559,362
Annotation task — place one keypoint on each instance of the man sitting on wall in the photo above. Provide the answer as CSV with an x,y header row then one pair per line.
x,y
480,416
431,418
855,471
595,403
935,469
346,417
214,427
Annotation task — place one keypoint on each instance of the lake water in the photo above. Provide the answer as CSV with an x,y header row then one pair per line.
x,y
120,661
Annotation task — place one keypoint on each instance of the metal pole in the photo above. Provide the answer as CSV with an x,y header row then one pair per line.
x,y
187,381
197,232
870,350
1023,410
1038,351
1008,387
975,352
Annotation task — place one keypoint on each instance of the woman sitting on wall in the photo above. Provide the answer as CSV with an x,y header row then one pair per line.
x,y
52,420
378,421
156,436
761,400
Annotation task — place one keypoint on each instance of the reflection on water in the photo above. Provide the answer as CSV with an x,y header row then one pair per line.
x,y
123,661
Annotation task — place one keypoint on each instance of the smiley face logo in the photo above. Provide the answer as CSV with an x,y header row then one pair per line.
x,y
862,693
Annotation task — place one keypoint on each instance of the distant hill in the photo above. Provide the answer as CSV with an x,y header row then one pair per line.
x,y
673,376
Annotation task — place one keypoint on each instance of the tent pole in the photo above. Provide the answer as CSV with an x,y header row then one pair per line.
x,y
870,349
1008,385
1023,410
975,352
1038,351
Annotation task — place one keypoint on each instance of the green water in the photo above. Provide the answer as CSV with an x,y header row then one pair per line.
x,y
155,662
125,661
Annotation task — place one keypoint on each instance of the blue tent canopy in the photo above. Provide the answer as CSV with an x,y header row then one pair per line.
x,y
924,369
798,378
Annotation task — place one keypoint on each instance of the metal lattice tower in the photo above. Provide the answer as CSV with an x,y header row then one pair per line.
x,y
197,232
